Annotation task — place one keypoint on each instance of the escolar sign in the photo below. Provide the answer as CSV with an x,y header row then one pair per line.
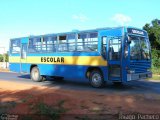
x,y
52,59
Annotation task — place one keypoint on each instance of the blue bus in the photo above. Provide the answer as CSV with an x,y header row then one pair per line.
x,y
96,56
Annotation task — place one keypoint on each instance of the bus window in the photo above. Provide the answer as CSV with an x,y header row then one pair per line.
x,y
49,44
114,49
71,46
62,44
15,46
93,41
87,42
82,38
34,45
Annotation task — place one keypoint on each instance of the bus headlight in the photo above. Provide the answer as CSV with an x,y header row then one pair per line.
x,y
131,71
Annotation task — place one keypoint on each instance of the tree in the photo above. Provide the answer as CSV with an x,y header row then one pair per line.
x,y
153,30
2,57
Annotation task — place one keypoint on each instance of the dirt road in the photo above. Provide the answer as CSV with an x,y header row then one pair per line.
x,y
44,102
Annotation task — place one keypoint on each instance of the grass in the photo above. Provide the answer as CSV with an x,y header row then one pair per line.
x,y
155,77
51,112
26,99
155,74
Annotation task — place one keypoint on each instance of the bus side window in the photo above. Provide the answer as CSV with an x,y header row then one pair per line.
x,y
87,42
15,46
62,44
93,41
82,37
115,49
49,44
35,45
71,42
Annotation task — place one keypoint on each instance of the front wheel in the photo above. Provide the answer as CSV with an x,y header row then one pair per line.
x,y
96,79
35,74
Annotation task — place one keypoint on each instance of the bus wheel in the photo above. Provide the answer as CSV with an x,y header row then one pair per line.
x,y
35,74
96,79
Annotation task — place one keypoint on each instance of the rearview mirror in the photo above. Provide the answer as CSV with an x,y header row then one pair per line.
x,y
129,40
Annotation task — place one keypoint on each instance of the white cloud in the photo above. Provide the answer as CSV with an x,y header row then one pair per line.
x,y
121,19
80,17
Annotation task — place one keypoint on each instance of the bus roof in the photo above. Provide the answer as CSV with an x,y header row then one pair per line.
x,y
76,31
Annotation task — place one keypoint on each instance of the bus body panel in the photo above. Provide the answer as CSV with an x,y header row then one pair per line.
x,y
74,65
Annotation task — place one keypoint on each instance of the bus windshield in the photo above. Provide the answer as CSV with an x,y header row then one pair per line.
x,y
139,48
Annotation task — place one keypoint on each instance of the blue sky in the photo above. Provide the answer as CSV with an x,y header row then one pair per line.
x,y
19,18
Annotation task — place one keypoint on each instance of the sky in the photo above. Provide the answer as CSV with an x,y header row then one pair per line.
x,y
22,18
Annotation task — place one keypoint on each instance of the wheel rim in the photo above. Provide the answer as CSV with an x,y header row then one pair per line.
x,y
96,79
35,74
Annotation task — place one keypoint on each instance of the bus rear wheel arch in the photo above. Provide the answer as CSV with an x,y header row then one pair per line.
x,y
95,77
35,74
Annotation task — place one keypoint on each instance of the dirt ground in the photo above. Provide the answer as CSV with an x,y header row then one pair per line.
x,y
26,99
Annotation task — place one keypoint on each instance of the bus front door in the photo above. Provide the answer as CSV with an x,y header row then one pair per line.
x,y
23,57
114,48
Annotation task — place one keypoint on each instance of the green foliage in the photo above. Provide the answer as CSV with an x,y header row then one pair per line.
x,y
156,71
155,58
53,113
153,30
2,57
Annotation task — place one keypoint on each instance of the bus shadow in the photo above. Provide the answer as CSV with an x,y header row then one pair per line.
x,y
27,76
132,87
71,85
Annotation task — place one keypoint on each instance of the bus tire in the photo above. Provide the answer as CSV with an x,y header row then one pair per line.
x,y
96,79
35,75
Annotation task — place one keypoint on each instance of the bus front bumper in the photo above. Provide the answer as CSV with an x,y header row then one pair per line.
x,y
139,76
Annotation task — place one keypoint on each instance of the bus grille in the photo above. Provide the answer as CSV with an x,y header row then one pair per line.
x,y
140,66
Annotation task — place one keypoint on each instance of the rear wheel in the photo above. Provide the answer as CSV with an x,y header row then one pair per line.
x,y
35,75
96,79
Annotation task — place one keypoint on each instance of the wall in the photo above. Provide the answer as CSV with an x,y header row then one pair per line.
x,y
4,65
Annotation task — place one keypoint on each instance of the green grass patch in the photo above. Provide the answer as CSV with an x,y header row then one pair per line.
x,y
51,112
26,98
155,77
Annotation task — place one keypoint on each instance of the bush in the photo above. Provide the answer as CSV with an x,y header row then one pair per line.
x,y
155,58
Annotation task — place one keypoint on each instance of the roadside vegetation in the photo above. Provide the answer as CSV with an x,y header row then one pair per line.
x,y
49,112
4,56
153,30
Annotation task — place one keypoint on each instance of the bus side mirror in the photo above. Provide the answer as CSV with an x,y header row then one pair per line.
x,y
129,40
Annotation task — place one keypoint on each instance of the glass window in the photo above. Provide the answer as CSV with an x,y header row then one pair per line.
x,y
35,44
71,45
135,48
145,49
87,42
62,44
15,46
93,41
49,44
114,49
139,48
82,38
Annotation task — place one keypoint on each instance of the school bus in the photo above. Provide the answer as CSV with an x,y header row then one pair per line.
x,y
96,56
